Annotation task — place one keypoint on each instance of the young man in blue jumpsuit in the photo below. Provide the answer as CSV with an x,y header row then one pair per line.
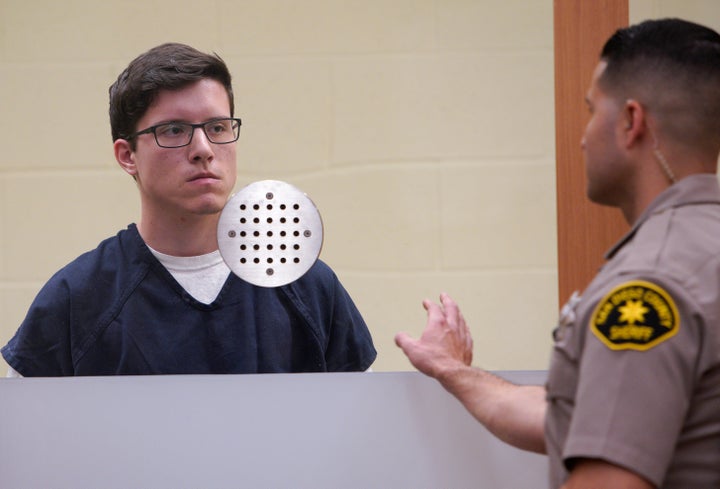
x,y
632,399
158,298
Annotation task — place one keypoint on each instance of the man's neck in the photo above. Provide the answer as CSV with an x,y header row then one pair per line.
x,y
185,236
659,172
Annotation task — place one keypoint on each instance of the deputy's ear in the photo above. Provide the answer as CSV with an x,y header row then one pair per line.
x,y
125,156
634,118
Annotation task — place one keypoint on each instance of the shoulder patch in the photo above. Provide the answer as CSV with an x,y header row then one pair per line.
x,y
636,315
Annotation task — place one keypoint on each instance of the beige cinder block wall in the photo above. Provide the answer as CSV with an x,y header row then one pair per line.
x,y
423,130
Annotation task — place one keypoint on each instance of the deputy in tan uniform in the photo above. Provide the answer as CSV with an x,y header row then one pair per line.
x,y
633,394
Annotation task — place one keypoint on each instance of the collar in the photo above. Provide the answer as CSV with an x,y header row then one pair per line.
x,y
692,190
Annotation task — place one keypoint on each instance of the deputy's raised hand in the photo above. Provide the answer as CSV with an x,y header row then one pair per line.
x,y
444,345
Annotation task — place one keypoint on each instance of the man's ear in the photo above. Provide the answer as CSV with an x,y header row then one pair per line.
x,y
634,120
125,156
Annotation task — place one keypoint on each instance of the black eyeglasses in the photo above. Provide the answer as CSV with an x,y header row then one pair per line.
x,y
179,134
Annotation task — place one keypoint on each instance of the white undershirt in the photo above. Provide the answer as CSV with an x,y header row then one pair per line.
x,y
201,276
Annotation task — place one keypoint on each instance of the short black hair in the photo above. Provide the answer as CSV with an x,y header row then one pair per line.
x,y
672,66
170,66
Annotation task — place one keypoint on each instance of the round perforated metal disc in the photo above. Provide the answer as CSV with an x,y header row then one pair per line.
x,y
270,233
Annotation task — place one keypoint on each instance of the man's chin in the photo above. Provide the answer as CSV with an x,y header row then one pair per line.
x,y
209,208
210,203
209,211
600,198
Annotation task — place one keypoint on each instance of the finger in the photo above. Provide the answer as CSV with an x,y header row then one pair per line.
x,y
452,312
435,314
466,336
457,321
462,325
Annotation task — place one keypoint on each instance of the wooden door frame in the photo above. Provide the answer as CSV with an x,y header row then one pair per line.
x,y
585,230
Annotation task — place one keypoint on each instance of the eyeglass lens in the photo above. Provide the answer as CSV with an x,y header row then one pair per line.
x,y
175,134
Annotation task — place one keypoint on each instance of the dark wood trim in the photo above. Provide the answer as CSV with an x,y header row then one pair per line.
x,y
585,230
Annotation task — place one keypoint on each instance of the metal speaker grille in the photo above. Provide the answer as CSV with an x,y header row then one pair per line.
x,y
270,233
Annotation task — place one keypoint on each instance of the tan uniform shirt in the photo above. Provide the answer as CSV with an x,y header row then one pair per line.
x,y
635,373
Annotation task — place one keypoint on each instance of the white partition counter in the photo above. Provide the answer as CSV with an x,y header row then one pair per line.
x,y
338,430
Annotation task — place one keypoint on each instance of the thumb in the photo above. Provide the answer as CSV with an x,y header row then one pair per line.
x,y
402,340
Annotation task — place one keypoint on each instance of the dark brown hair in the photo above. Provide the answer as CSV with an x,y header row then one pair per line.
x,y
170,66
